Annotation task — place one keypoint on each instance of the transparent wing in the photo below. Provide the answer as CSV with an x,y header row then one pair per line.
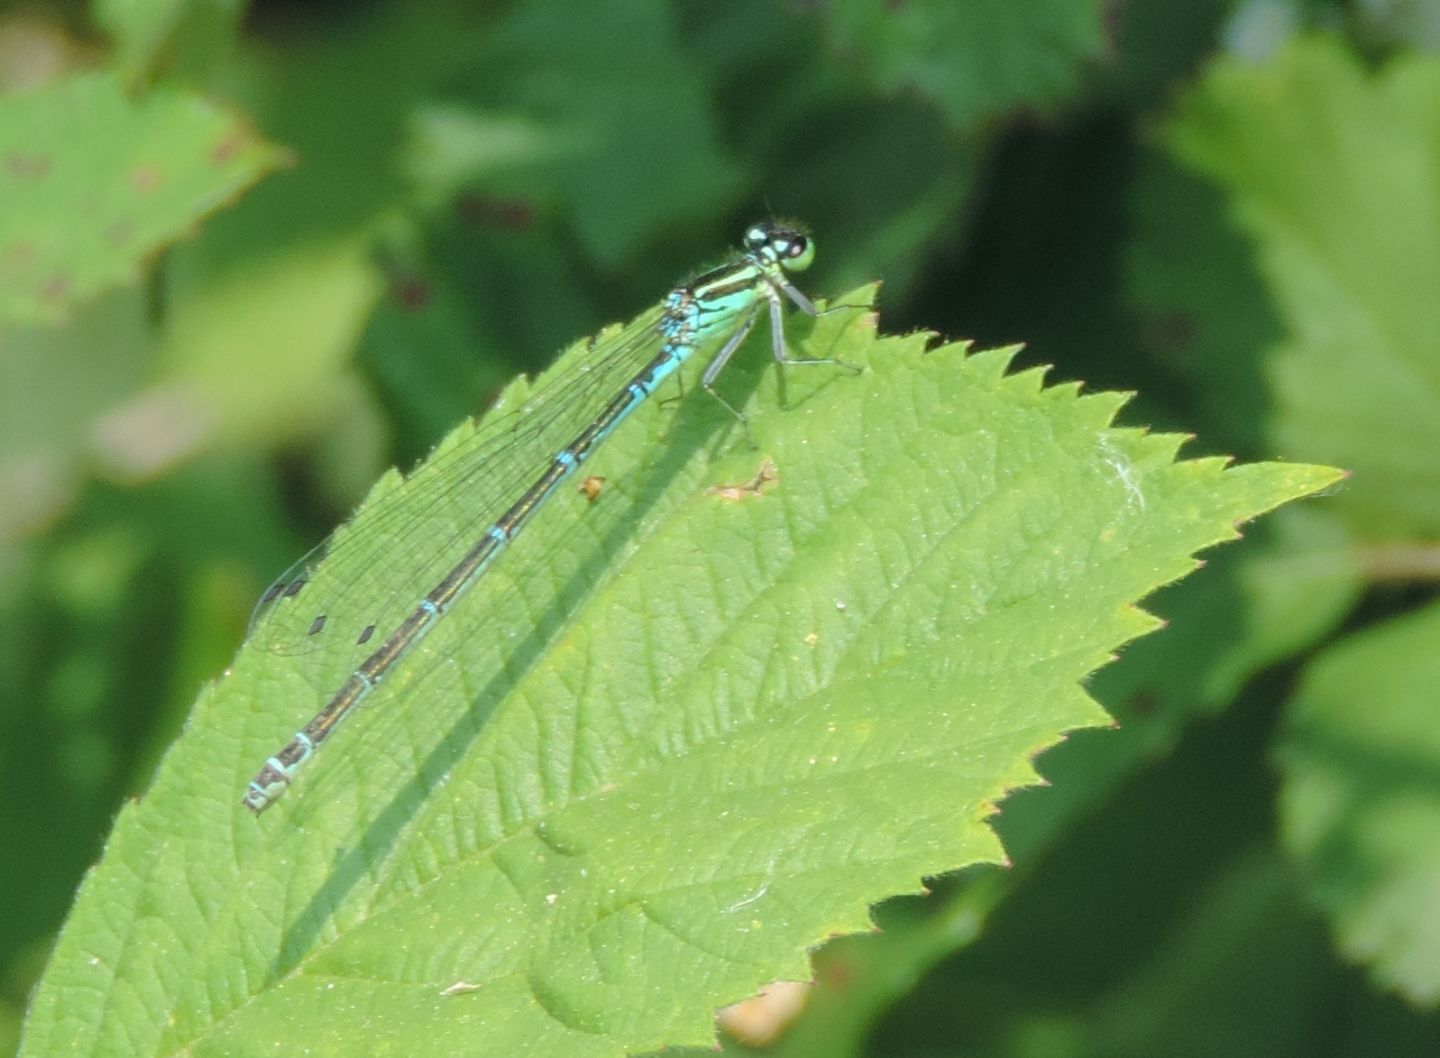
x,y
343,598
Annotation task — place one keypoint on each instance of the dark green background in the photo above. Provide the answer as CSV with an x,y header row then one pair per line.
x,y
1002,166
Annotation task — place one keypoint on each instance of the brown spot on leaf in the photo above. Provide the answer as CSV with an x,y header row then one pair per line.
x,y
227,147
146,179
55,289
1171,332
764,477
18,255
27,166
487,211
591,487
411,292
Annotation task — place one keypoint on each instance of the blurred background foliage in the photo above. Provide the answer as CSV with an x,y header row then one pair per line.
x,y
251,254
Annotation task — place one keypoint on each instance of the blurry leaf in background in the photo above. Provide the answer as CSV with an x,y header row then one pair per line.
x,y
894,156
1297,586
974,58
1361,800
647,146
1399,23
189,34
92,182
401,118
55,384
449,146
1240,935
881,180
1335,173
257,348
1258,30
498,285
1156,45
1204,312
266,307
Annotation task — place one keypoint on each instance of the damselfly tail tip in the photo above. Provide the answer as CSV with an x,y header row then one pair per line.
x,y
265,789
256,801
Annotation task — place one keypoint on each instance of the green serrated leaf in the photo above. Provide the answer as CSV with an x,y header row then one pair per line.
x,y
689,726
92,181
1333,171
1359,805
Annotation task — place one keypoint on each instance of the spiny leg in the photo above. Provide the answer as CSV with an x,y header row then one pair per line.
x,y
717,364
778,347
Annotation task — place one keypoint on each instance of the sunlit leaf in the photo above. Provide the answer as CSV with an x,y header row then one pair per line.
x,y
695,721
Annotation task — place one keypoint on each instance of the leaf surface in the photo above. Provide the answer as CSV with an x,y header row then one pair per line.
x,y
690,725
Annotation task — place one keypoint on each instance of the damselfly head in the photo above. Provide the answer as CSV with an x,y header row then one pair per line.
x,y
780,242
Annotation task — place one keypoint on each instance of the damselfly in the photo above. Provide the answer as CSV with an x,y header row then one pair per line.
x,y
721,306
